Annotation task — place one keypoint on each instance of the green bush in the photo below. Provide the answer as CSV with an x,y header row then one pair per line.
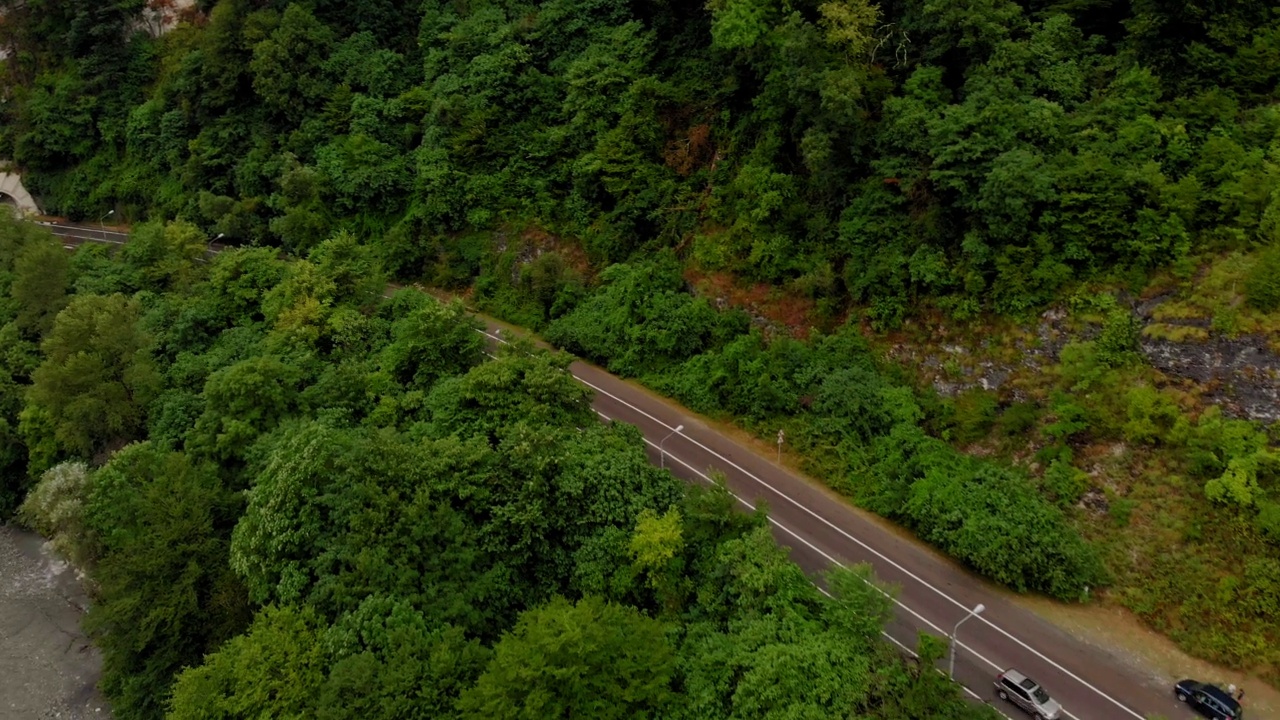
x,y
974,415
1268,520
1262,285
1232,454
1121,510
1082,368
1117,344
1065,482
993,520
748,378
1070,418
1018,418
1226,320
1238,453
987,516
641,320
1238,484
1153,417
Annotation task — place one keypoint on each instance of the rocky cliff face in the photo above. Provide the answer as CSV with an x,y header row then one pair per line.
x,y
1240,374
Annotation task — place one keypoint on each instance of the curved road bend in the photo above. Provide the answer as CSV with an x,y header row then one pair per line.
x,y
820,530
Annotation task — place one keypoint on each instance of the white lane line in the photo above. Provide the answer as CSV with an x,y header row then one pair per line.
x,y
868,548
835,562
86,233
97,239
79,228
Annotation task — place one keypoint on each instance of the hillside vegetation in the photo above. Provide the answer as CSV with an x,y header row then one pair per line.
x,y
983,153
874,178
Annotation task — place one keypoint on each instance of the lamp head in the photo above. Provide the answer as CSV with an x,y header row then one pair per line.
x,y
679,428
977,610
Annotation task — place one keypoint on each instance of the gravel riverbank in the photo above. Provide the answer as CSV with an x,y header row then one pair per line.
x,y
48,668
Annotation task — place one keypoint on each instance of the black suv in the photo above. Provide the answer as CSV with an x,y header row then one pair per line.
x,y
1210,701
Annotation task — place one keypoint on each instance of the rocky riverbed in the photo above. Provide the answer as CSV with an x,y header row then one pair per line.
x,y
48,668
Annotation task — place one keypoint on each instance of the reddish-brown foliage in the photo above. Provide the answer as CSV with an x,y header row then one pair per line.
x,y
687,154
793,315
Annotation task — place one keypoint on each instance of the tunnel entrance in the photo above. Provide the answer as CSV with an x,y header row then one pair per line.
x,y
10,203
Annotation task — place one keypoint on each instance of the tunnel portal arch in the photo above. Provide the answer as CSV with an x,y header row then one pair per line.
x,y
13,193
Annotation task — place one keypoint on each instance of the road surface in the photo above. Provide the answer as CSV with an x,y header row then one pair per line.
x,y
75,234
821,529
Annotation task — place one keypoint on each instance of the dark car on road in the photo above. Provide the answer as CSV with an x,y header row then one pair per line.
x,y
1209,700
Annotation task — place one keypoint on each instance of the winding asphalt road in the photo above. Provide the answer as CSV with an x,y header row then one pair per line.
x,y
820,529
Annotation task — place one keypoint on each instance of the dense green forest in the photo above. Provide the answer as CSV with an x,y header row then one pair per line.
x,y
575,165
981,153
295,497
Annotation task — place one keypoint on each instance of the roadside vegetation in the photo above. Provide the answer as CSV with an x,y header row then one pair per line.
x,y
768,210
1089,474
1179,497
294,497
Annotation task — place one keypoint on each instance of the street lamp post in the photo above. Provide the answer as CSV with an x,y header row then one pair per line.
x,y
208,248
977,610
662,454
102,224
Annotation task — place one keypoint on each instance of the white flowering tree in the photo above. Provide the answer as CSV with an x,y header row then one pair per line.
x,y
55,508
